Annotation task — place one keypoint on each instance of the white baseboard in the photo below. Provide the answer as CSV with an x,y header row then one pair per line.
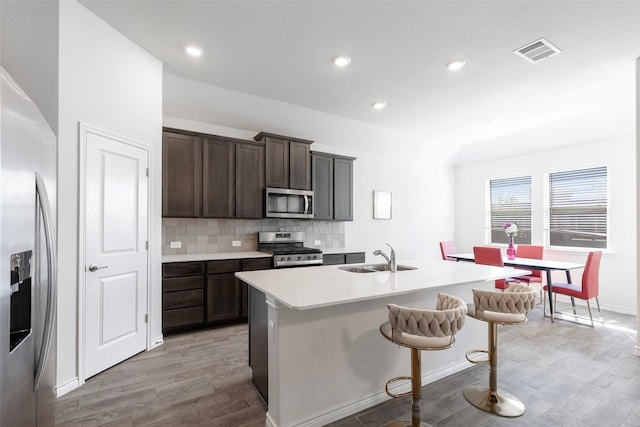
x,y
339,412
156,342
65,388
269,422
608,307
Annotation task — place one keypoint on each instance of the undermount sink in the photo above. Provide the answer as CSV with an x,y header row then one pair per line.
x,y
357,269
385,267
372,268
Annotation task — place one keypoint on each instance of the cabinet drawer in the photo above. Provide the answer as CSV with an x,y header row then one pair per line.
x,y
256,264
354,257
182,299
182,283
182,317
224,266
332,259
175,269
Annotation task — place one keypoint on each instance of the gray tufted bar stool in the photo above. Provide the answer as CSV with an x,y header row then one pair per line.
x,y
506,308
420,329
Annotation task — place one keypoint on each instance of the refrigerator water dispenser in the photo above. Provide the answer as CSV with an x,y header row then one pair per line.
x,y
20,320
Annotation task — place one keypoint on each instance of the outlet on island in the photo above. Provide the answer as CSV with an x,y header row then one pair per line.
x,y
236,243
317,243
175,245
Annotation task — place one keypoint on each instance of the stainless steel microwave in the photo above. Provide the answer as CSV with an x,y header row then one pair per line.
x,y
288,203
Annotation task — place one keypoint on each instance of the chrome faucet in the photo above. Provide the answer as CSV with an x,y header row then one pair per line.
x,y
391,260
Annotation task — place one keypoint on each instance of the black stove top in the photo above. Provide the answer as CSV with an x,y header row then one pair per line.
x,y
285,250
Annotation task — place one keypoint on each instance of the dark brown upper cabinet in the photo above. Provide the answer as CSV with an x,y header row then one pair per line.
x,y
322,184
249,180
218,171
181,175
343,188
287,161
211,176
332,186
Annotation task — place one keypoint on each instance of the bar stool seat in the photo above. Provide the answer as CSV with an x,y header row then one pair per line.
x,y
505,308
420,329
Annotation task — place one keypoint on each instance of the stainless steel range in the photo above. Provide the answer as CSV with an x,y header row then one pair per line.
x,y
288,248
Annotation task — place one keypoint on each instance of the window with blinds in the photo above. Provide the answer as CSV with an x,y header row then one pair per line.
x,y
511,202
578,208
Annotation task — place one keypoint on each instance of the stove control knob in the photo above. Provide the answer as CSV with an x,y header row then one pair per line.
x,y
299,257
288,258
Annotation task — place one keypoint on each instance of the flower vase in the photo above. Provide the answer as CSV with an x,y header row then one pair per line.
x,y
511,250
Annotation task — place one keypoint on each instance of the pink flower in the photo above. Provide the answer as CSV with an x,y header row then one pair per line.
x,y
511,228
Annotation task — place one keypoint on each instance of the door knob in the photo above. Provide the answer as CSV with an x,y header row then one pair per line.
x,y
94,267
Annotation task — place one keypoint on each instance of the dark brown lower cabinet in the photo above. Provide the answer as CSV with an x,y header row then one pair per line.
x,y
259,342
205,294
223,291
353,257
332,259
343,258
182,318
223,298
182,295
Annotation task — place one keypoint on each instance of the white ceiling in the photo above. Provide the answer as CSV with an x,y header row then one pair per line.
x,y
282,50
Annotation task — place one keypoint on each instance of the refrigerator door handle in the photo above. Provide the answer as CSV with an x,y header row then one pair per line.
x,y
47,218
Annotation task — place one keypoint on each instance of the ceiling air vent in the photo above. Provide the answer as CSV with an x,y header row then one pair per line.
x,y
537,50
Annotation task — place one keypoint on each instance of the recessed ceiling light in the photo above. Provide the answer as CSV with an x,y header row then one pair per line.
x,y
341,61
495,121
379,105
456,64
193,50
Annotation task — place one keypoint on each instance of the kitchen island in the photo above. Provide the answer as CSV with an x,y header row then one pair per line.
x,y
326,357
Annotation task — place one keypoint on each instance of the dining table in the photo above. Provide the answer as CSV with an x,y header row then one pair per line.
x,y
545,265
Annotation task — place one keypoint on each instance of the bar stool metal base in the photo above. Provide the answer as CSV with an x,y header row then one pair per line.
x,y
497,402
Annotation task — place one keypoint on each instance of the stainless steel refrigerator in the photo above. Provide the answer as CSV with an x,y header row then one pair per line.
x,y
27,261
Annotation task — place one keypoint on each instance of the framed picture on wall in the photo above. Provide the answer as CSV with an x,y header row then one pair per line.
x,y
381,205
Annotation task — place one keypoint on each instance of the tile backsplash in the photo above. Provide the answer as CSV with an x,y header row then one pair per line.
x,y
203,235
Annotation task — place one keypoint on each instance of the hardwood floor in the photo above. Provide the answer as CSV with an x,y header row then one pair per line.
x,y
566,374
197,379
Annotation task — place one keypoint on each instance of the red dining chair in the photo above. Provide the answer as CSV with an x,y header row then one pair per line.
x,y
490,256
588,289
532,252
447,248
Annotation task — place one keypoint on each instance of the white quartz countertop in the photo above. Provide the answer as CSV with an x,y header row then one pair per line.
x,y
214,256
311,287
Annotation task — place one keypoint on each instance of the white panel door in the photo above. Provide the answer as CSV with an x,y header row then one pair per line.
x,y
116,197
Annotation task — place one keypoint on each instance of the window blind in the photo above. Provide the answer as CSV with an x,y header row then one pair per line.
x,y
578,208
511,202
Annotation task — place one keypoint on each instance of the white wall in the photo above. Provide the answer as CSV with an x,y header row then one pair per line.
x,y
109,83
31,57
618,268
420,178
